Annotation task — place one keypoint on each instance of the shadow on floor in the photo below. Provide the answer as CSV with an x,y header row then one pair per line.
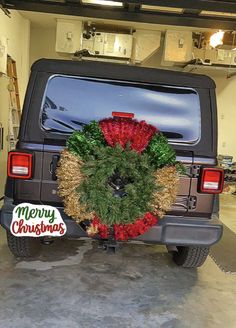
x,y
223,253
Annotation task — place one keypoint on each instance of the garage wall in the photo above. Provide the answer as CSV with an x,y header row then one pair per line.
x,y
226,100
42,44
17,30
43,41
226,105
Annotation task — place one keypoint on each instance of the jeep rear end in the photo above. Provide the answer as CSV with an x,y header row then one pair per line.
x,y
63,96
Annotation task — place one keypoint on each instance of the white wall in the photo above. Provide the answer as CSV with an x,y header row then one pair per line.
x,y
42,44
17,30
226,101
226,105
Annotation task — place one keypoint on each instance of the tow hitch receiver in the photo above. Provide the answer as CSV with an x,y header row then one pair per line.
x,y
110,246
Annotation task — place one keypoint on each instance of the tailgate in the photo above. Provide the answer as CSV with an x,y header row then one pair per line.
x,y
49,183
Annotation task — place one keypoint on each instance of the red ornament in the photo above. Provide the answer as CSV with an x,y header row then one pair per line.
x,y
124,131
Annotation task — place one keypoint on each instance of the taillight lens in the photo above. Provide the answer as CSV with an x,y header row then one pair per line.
x,y
19,165
212,180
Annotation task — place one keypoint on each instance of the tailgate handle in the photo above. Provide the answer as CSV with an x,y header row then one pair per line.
x,y
53,166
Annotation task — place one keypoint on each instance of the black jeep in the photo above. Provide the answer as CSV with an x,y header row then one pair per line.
x,y
63,96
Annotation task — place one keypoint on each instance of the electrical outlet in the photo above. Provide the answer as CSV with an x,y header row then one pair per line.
x,y
223,144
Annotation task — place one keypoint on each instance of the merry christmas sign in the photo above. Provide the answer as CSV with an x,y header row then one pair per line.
x,y
37,221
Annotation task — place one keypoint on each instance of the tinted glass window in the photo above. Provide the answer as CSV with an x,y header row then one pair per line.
x,y
69,103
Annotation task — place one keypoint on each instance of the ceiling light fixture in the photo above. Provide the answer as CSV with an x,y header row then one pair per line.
x,y
103,3
217,13
162,9
217,39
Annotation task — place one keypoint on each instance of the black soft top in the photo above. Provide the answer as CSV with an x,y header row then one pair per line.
x,y
123,72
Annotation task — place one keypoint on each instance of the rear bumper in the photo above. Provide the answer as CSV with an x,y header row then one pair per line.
x,y
171,230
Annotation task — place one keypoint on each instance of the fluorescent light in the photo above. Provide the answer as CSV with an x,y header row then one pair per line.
x,y
217,39
162,9
217,13
103,3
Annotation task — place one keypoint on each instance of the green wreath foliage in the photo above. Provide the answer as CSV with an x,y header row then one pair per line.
x,y
83,143
97,194
161,154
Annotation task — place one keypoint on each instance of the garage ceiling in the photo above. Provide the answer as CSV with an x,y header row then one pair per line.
x,y
215,14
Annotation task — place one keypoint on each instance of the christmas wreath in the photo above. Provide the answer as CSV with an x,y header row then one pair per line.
x,y
117,177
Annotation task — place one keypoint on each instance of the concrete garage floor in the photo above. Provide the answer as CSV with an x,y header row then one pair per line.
x,y
75,284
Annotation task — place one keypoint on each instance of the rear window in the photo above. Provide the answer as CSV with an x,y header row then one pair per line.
x,y
71,102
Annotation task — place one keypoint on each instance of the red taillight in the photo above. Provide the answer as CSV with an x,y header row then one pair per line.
x,y
123,114
212,180
19,165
